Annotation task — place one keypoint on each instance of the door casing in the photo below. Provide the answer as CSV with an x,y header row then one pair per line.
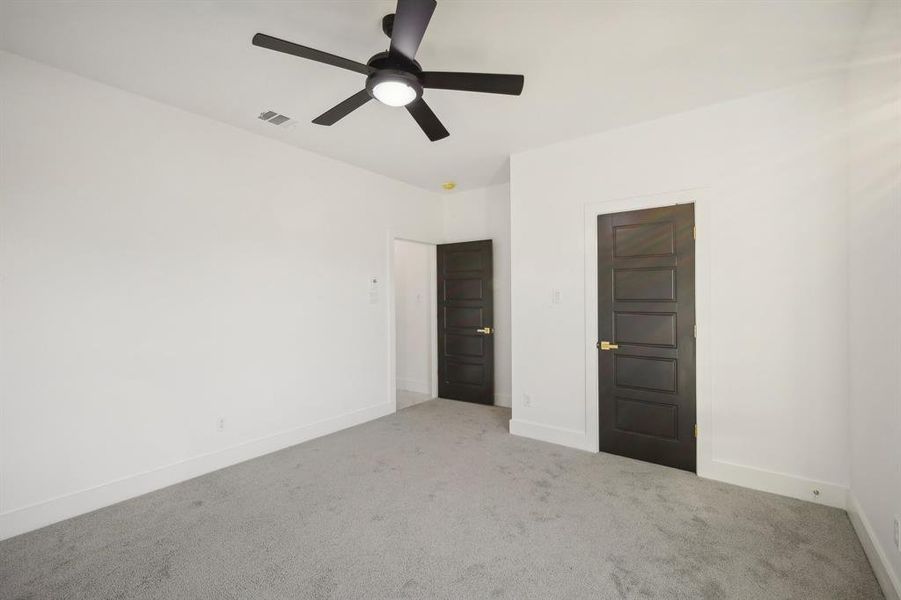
x,y
702,297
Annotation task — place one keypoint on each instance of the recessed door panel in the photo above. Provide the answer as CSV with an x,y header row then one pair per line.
x,y
644,239
645,373
463,289
646,370
645,328
464,260
647,418
464,345
463,316
656,284
465,373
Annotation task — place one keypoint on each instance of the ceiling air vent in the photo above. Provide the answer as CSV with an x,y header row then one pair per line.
x,y
270,116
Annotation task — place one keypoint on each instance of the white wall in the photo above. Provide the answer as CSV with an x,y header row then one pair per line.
x,y
770,172
414,265
160,271
875,290
484,214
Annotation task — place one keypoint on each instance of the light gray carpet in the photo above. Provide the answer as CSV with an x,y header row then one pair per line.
x,y
406,398
438,501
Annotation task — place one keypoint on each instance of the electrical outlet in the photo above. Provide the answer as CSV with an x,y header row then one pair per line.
x,y
526,400
220,424
898,533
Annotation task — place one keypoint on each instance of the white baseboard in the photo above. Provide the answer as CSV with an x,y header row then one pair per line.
x,y
411,385
546,433
505,400
21,520
831,494
885,575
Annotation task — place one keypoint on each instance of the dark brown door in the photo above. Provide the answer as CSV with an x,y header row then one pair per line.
x,y
646,304
465,322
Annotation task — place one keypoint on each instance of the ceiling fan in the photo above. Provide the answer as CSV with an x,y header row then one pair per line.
x,y
394,77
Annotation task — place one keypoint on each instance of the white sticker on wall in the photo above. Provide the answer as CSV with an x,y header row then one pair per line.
x,y
373,290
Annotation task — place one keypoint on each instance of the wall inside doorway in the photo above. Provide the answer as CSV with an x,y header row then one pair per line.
x,y
414,265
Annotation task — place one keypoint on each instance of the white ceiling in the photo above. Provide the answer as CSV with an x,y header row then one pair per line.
x,y
588,66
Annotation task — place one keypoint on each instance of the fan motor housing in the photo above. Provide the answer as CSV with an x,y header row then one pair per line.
x,y
389,61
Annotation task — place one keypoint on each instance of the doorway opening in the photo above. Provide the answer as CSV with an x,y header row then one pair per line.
x,y
415,317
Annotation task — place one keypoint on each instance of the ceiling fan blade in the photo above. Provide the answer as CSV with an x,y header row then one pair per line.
x,y
427,120
489,83
342,109
267,41
410,21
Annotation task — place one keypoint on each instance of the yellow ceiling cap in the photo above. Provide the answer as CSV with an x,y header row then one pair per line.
x,y
449,185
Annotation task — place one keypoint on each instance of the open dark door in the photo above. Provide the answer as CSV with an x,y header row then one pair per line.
x,y
465,322
646,319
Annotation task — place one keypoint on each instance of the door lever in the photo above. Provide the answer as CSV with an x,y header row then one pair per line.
x,y
485,330
604,345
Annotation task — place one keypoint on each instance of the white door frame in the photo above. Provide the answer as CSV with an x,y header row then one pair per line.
x,y
703,398
392,316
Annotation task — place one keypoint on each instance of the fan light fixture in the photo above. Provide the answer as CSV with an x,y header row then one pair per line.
x,y
394,93
392,87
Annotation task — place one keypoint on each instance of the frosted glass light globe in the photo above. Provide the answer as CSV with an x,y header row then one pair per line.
x,y
394,93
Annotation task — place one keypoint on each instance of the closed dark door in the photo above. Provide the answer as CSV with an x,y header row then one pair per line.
x,y
465,322
646,323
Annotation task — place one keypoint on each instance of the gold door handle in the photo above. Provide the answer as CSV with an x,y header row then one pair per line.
x,y
485,330
607,346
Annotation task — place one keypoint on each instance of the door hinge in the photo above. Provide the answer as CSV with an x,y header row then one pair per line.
x,y
694,232
696,330
696,430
